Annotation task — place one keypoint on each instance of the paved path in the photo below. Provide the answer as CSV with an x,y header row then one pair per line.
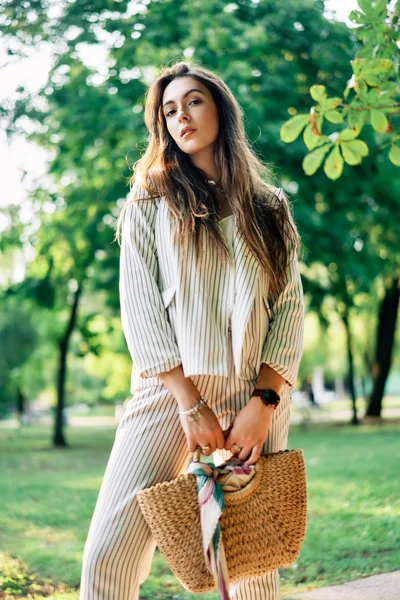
x,y
377,587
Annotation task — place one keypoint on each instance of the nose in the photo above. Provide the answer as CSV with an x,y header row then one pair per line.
x,y
181,115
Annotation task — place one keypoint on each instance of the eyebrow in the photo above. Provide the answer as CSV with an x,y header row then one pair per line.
x,y
184,96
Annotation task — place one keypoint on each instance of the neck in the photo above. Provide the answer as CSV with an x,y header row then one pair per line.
x,y
204,160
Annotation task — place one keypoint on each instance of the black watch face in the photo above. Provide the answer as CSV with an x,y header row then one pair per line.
x,y
270,396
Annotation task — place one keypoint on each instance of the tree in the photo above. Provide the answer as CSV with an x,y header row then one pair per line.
x,y
91,119
369,96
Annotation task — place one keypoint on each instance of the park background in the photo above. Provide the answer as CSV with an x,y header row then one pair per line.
x,y
72,82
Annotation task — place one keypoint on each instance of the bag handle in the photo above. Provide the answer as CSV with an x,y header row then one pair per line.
x,y
195,456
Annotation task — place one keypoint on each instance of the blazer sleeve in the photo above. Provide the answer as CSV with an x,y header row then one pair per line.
x,y
284,342
150,338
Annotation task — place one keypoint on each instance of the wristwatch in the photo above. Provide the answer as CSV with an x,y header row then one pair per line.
x,y
268,397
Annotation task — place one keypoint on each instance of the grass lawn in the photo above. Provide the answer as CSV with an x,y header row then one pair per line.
x,y
48,495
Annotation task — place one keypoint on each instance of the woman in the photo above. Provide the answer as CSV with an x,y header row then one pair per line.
x,y
212,310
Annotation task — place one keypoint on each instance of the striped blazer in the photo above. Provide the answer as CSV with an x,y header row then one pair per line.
x,y
172,315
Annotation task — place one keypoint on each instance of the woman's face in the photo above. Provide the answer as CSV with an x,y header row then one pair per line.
x,y
188,103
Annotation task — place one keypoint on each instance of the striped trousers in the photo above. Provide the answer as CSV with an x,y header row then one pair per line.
x,y
149,447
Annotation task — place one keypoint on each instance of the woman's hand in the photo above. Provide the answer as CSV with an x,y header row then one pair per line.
x,y
250,429
203,431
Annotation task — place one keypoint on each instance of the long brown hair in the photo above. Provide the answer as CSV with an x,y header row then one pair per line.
x,y
165,170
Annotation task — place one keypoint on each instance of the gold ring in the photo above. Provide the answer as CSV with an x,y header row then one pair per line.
x,y
204,448
235,449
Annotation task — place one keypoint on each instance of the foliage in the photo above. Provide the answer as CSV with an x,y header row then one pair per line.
x,y
370,94
90,120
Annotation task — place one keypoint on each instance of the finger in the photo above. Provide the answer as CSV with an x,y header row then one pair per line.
x,y
213,446
228,442
255,455
209,450
226,432
220,439
191,446
245,451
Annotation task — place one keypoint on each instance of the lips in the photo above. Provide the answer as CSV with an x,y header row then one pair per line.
x,y
187,130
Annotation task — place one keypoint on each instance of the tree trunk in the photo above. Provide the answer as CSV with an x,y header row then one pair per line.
x,y
384,347
349,341
364,390
20,403
368,361
58,438
21,407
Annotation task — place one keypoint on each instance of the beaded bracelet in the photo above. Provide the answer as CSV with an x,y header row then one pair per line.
x,y
194,412
195,408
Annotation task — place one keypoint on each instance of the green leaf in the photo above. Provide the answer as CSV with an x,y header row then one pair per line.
x,y
348,134
351,157
362,90
358,17
394,155
378,66
334,164
334,116
332,102
366,6
357,65
378,120
292,128
311,140
319,121
380,8
358,147
390,88
357,119
312,161
372,80
318,93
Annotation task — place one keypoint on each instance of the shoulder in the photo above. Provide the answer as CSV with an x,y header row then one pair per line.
x,y
139,194
140,199
142,191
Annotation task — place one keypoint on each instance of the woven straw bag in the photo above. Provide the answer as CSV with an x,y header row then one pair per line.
x,y
263,524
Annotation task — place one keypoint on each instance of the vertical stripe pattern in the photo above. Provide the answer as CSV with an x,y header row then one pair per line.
x,y
287,323
177,314
149,335
150,447
174,315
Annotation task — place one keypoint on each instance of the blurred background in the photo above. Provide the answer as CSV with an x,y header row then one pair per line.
x,y
72,82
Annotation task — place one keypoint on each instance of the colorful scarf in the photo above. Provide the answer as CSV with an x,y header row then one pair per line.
x,y
212,482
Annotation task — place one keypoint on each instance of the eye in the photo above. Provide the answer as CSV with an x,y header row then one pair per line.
x,y
194,100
